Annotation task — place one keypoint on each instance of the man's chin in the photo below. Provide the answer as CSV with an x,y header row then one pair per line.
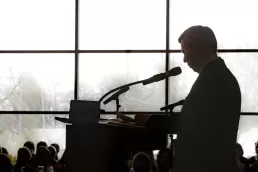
x,y
192,68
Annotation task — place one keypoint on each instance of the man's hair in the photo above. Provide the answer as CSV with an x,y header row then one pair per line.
x,y
165,151
23,156
199,35
52,151
3,151
5,163
256,144
56,146
43,156
41,143
141,162
29,145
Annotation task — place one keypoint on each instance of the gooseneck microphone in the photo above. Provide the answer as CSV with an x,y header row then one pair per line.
x,y
173,72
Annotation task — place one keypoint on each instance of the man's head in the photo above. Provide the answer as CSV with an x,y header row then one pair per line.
x,y
56,146
23,156
256,148
141,163
165,159
30,146
41,143
52,151
5,163
199,45
3,150
43,156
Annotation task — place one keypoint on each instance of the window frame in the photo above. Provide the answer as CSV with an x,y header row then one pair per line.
x,y
76,51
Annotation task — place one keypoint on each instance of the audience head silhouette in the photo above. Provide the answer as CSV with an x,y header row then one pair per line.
x,y
199,45
239,150
56,146
30,146
3,151
24,155
165,159
57,149
26,161
141,163
43,156
52,151
41,144
256,148
5,163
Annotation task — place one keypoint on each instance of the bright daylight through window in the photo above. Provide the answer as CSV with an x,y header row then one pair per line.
x,y
45,82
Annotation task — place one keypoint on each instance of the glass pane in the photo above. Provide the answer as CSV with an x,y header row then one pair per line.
x,y
248,134
122,24
35,82
15,130
30,24
232,21
99,73
242,65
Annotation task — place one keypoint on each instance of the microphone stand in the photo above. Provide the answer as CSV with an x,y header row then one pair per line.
x,y
171,113
155,78
118,88
117,105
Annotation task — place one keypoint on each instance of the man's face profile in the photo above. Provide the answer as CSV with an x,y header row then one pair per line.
x,y
199,46
189,56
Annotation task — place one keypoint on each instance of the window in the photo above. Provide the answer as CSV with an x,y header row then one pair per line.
x,y
122,24
242,65
99,73
37,25
232,21
45,82
15,130
36,82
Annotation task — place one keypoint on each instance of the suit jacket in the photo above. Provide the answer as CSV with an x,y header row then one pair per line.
x,y
209,122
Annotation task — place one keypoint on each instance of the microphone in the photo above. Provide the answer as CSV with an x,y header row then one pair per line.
x,y
173,72
172,106
116,95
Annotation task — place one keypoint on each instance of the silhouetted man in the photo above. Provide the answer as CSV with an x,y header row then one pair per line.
x,y
210,114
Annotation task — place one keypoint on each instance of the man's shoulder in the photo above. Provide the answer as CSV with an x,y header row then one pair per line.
x,y
217,84
219,74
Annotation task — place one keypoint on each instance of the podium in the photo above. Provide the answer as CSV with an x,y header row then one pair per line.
x,y
96,146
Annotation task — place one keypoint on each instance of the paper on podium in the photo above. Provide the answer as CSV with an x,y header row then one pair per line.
x,y
123,123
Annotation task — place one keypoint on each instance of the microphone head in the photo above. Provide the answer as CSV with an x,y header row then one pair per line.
x,y
175,71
